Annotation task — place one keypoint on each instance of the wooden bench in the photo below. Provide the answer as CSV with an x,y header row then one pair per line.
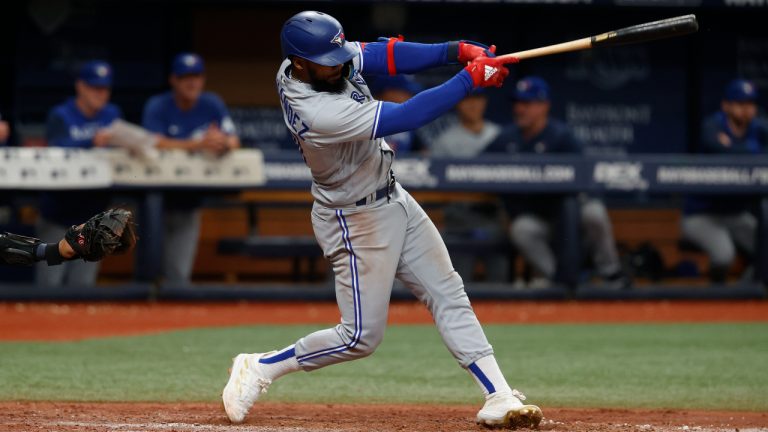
x,y
295,248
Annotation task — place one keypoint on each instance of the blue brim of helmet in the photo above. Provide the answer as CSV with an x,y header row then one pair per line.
x,y
338,56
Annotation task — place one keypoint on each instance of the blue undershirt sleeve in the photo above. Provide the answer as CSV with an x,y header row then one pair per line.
x,y
152,117
711,131
409,57
422,108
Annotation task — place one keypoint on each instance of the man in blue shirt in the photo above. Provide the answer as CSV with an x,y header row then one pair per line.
x,y
190,119
533,218
533,131
721,225
79,122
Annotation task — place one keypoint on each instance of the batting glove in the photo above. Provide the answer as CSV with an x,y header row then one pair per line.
x,y
470,50
487,72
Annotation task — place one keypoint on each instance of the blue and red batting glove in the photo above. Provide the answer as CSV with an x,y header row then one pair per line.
x,y
470,50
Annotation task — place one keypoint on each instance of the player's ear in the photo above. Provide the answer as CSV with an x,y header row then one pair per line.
x,y
298,63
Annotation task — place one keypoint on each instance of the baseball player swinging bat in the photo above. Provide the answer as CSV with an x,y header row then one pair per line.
x,y
670,27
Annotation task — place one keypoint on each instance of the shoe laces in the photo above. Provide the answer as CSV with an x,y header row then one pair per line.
x,y
263,384
516,393
255,382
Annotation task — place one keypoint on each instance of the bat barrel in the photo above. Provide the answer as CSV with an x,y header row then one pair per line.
x,y
661,29
665,28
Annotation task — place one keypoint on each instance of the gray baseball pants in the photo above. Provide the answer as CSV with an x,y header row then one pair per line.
x,y
531,234
182,232
368,247
720,234
75,273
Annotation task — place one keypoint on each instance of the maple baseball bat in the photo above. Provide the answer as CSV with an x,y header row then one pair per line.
x,y
669,27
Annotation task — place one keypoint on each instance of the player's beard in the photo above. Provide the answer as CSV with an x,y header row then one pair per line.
x,y
335,87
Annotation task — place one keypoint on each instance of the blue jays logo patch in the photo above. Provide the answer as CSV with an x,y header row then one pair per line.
x,y
338,39
357,96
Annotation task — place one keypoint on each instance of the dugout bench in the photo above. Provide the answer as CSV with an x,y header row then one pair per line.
x,y
564,175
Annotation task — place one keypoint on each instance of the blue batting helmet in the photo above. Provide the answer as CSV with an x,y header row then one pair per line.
x,y
317,37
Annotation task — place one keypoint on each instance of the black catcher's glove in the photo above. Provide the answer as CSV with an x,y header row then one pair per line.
x,y
17,250
107,233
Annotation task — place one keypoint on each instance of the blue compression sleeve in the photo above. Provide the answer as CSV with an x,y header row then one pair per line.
x,y
422,108
409,57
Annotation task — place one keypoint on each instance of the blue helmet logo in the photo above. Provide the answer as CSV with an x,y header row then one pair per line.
x,y
338,39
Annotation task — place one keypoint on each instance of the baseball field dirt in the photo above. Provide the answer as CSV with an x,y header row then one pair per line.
x,y
67,322
281,417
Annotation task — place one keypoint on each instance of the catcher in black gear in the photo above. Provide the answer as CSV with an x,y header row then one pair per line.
x,y
107,233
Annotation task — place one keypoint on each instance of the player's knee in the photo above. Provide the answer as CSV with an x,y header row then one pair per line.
x,y
723,255
367,344
523,229
594,216
362,341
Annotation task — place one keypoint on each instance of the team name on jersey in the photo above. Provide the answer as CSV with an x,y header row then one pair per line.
x,y
357,96
84,132
297,125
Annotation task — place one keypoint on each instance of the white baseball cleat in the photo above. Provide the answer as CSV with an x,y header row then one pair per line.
x,y
246,383
503,409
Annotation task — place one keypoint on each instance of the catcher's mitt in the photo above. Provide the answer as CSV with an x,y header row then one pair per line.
x,y
107,233
17,250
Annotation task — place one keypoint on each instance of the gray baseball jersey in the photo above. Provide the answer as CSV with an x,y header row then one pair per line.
x,y
370,244
335,133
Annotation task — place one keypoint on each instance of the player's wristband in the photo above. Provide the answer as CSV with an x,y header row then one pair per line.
x,y
50,253
452,52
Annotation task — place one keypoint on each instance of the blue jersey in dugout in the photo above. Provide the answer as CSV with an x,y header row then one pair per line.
x,y
717,138
556,137
68,127
161,115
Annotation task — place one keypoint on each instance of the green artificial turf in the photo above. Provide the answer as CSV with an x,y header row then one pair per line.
x,y
709,366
